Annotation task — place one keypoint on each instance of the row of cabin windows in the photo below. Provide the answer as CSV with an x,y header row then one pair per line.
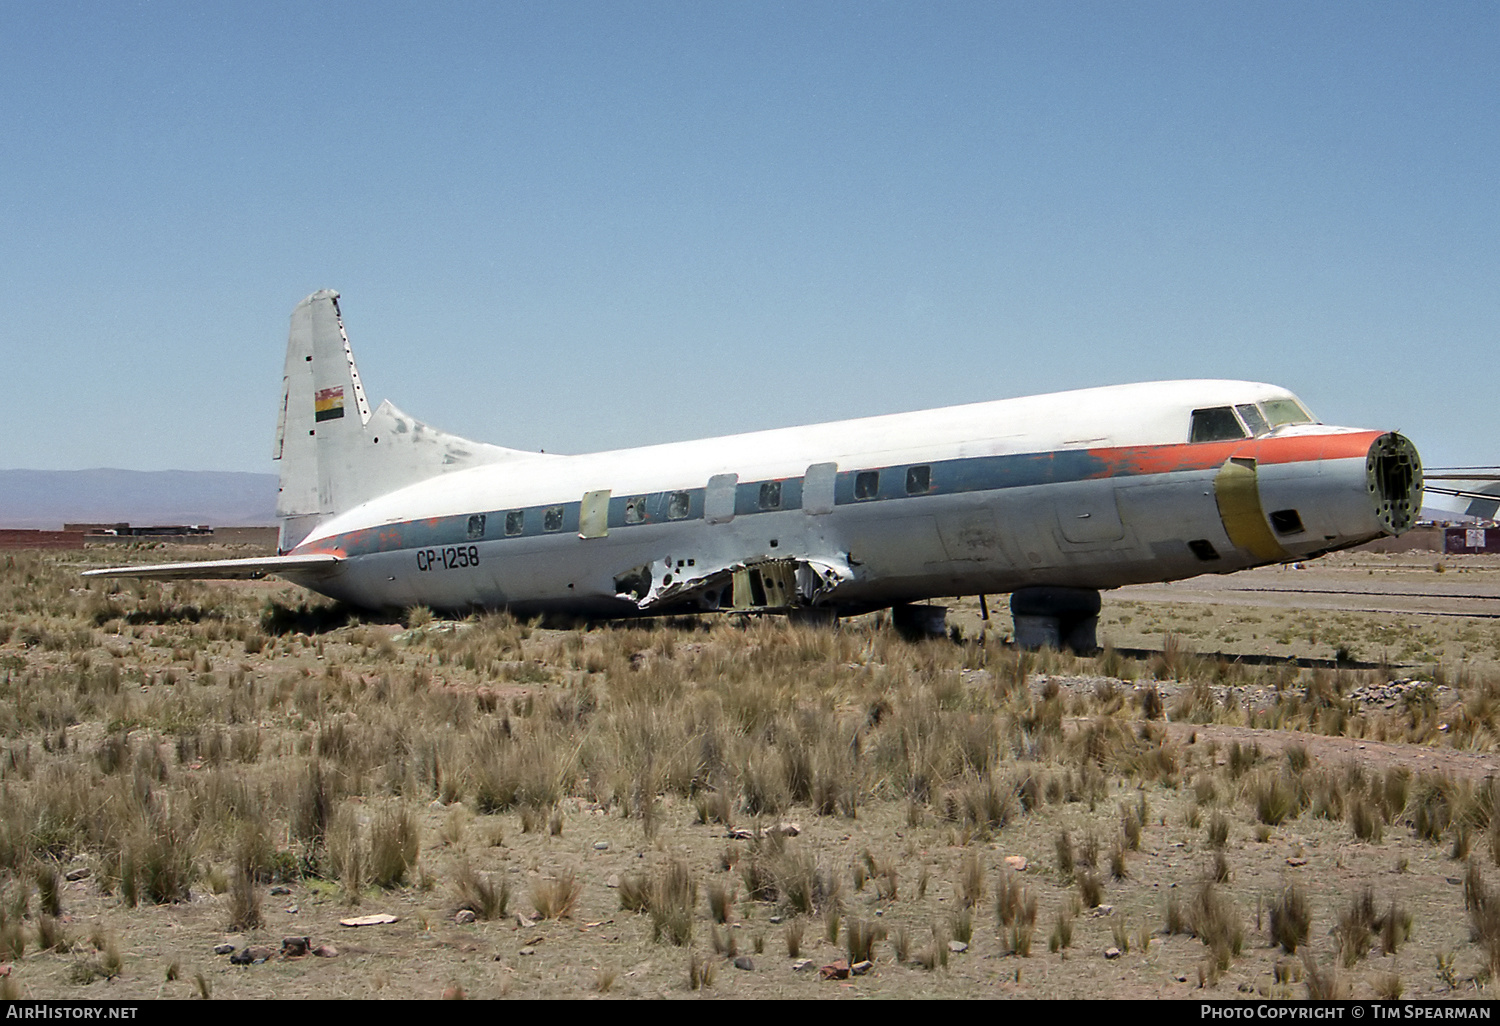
x,y
918,482
679,504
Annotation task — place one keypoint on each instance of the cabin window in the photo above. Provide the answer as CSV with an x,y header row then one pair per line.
x,y
515,522
476,526
770,495
678,505
1285,411
918,480
867,484
1218,424
552,518
1253,420
635,510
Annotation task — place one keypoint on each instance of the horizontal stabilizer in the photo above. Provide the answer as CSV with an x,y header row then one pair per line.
x,y
227,569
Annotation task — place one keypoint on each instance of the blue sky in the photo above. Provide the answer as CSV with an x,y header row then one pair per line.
x,y
579,225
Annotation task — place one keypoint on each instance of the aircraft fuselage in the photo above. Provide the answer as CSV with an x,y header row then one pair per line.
x,y
1091,489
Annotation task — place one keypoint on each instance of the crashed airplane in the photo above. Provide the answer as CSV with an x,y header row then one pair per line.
x,y
1048,498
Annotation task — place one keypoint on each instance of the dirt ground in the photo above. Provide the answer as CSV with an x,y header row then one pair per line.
x,y
1361,621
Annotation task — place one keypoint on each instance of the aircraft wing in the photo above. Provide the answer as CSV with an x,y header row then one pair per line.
x,y
1479,485
226,569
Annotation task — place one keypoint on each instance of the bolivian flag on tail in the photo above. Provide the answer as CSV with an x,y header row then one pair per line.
x,y
328,404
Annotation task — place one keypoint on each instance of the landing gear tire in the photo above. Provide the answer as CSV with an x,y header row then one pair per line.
x,y
1054,617
918,623
813,616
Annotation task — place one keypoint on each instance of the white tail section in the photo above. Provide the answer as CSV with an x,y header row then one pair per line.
x,y
335,453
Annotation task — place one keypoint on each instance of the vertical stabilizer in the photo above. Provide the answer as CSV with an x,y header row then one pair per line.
x,y
334,452
296,428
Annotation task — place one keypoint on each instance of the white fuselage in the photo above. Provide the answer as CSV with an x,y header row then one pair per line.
x,y
1089,489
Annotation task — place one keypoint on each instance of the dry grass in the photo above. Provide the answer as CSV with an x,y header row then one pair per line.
x,y
482,894
554,897
184,738
1290,918
672,897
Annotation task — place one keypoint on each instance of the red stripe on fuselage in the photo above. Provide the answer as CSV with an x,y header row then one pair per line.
x,y
1168,459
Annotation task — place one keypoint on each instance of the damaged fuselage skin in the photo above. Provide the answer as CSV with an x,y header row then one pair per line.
x,y
1050,498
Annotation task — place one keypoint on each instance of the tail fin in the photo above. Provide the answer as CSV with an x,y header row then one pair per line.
x,y
334,452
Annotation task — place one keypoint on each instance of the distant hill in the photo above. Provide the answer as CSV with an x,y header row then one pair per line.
x,y
46,499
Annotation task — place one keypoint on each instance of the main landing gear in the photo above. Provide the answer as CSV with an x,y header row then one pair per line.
x,y
1056,617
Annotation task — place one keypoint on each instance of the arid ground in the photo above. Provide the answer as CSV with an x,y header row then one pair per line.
x,y
1276,783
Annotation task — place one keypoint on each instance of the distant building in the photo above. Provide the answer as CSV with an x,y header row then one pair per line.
x,y
17,539
1471,540
75,536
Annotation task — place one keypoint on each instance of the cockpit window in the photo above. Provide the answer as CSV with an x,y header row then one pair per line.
x,y
1218,424
1253,420
1285,411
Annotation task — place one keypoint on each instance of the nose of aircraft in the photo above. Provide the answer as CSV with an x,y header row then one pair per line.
x,y
1393,476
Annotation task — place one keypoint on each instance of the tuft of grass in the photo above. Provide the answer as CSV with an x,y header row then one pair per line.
x,y
804,886
1366,821
50,935
901,945
554,897
1484,918
1291,918
1066,861
244,902
1275,799
1118,870
1215,921
394,845
970,881
1175,920
49,889
1218,830
673,895
1322,984
1010,898
1474,893
961,925
347,856
635,892
793,936
1395,928
700,971
720,900
1090,888
1463,841
482,894
1062,932
1022,934
723,941
860,937
1355,925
